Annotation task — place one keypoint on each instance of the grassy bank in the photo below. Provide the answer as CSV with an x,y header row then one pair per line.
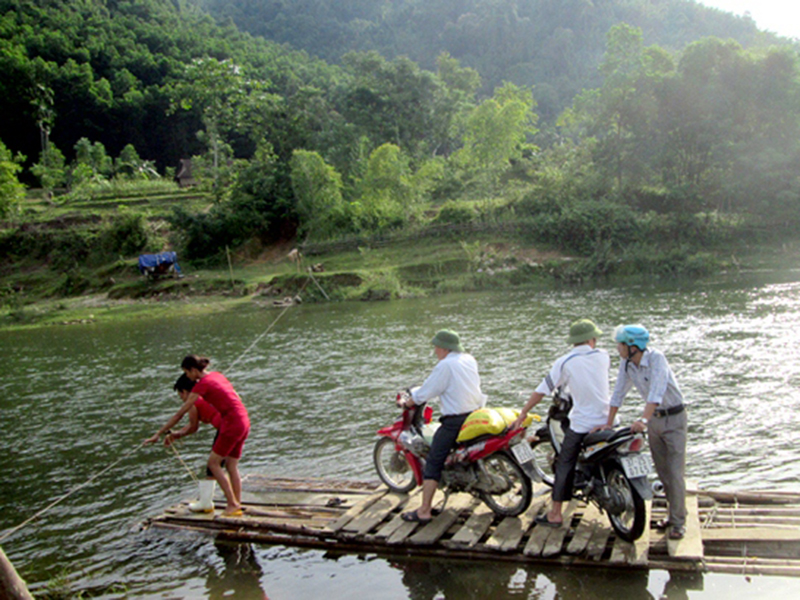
x,y
76,264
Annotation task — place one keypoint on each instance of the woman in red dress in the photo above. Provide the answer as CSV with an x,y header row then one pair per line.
x,y
233,430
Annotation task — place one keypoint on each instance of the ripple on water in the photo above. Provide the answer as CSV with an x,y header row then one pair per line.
x,y
321,383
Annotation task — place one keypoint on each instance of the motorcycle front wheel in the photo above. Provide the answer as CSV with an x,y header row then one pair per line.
x,y
510,493
392,466
629,524
544,459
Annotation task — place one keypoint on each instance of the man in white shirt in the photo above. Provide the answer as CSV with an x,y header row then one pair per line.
x,y
455,380
584,369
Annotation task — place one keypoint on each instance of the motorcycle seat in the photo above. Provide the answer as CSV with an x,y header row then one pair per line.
x,y
606,435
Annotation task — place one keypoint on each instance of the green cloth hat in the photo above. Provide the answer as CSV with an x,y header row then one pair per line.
x,y
582,331
448,340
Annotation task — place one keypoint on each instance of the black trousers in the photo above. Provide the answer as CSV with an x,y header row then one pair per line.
x,y
565,465
443,441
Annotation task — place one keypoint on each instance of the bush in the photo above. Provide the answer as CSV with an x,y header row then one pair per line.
x,y
680,200
126,236
261,205
584,226
70,249
454,212
677,261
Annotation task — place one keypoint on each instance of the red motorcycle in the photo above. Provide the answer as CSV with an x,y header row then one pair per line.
x,y
495,467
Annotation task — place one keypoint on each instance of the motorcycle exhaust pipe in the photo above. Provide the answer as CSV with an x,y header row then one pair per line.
x,y
658,487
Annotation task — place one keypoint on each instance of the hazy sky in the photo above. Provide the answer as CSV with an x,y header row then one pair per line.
x,y
779,16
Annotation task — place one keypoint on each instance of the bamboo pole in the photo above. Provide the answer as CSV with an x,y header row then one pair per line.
x,y
772,497
12,586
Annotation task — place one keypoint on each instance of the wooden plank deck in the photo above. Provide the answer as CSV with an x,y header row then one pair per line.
x,y
742,532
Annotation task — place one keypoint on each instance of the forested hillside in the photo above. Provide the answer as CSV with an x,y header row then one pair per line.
x,y
660,153
555,45
106,70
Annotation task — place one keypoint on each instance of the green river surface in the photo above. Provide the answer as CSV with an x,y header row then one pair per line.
x,y
74,399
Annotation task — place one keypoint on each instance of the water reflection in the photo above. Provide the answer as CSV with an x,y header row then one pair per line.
x,y
436,579
240,576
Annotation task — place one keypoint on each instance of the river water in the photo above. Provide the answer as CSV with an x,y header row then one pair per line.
x,y
75,399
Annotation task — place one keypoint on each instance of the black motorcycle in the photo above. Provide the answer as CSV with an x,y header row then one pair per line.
x,y
611,471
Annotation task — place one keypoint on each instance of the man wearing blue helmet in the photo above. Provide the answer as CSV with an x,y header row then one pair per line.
x,y
664,416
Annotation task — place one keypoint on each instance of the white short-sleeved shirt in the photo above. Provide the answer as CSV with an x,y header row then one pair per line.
x,y
455,380
584,372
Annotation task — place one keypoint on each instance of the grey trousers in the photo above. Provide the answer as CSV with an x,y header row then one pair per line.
x,y
667,438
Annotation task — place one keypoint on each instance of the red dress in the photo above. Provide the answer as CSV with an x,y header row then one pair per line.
x,y
207,413
235,426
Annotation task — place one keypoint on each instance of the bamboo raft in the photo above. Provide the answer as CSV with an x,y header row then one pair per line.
x,y
748,533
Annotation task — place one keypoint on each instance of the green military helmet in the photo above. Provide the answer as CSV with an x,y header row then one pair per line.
x,y
583,330
448,340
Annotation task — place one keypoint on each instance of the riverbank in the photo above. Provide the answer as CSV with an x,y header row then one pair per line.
x,y
272,280
404,269
57,269
34,296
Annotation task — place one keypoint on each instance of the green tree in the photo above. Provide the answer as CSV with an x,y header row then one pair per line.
x,y
495,134
130,165
50,169
393,102
731,125
218,90
318,194
12,192
388,191
452,100
622,114
91,162
619,104
45,115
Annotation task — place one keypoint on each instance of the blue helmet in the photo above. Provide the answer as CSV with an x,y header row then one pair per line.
x,y
632,335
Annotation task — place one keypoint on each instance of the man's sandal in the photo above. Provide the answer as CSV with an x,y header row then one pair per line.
x,y
677,533
543,520
413,517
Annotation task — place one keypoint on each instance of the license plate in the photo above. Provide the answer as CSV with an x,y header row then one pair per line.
x,y
522,452
636,465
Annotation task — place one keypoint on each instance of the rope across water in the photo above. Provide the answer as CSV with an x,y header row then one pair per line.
x,y
99,474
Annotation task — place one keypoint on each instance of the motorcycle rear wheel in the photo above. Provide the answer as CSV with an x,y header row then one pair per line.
x,y
392,466
629,525
516,497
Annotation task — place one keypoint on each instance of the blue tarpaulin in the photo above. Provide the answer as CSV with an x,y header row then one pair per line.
x,y
158,264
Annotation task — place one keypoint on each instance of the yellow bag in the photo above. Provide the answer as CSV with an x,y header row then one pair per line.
x,y
510,415
481,422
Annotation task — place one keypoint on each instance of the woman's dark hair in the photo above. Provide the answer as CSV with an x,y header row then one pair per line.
x,y
195,362
184,384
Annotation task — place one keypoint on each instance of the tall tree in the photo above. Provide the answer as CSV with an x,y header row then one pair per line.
x,y
318,193
620,114
217,90
495,134
50,169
